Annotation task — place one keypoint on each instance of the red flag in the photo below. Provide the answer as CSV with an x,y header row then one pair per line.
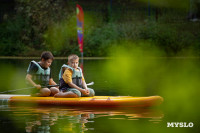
x,y
80,24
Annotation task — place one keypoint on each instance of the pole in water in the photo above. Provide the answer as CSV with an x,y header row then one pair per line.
x,y
81,61
81,57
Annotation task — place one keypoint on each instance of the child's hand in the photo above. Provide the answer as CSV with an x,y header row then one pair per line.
x,y
38,86
88,92
85,92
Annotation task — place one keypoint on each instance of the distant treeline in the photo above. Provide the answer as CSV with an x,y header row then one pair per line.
x,y
28,27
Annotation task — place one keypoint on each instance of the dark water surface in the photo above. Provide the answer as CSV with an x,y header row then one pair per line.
x,y
178,86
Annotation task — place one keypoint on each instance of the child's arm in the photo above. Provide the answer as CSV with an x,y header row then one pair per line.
x,y
85,86
29,79
67,77
84,83
84,91
52,82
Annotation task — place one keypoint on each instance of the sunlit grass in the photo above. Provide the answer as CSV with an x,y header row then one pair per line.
x,y
134,69
180,89
138,70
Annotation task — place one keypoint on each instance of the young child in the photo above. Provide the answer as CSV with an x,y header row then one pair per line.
x,y
72,82
39,76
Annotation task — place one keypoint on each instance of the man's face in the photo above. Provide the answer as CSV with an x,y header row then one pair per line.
x,y
74,63
47,63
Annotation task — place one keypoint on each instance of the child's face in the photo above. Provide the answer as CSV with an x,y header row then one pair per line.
x,y
46,63
74,63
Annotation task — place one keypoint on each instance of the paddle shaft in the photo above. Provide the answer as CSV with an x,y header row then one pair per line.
x,y
16,90
48,86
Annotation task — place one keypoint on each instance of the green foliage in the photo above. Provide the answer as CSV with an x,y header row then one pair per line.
x,y
169,37
99,39
172,40
23,33
10,34
51,25
182,4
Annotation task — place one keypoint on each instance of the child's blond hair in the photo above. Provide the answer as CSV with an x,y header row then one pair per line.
x,y
72,57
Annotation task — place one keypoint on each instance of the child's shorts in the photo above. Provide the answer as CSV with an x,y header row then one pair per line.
x,y
77,92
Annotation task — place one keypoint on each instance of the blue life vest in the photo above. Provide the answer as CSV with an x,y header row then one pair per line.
x,y
76,76
42,76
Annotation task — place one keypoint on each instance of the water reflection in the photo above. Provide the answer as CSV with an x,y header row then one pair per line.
x,y
64,119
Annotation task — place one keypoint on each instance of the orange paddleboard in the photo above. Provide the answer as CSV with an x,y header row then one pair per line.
x,y
96,101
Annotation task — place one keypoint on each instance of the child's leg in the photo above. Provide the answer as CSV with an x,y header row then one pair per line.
x,y
44,92
54,90
68,94
71,93
91,94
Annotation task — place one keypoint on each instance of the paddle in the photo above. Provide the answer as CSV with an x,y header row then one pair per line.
x,y
91,83
16,90
48,86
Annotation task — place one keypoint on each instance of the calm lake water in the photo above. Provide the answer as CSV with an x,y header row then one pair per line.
x,y
176,80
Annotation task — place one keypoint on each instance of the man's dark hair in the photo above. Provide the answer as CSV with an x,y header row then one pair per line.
x,y
46,55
